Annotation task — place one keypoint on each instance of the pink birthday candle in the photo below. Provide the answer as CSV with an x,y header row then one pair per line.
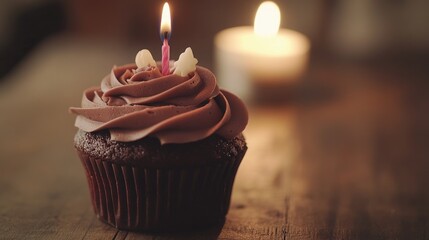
x,y
165,31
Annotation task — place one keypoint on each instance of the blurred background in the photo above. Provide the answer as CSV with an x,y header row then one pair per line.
x,y
355,126
395,31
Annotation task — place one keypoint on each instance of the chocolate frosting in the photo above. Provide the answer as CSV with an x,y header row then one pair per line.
x,y
135,103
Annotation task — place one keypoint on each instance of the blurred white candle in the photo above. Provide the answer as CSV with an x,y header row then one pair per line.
x,y
263,53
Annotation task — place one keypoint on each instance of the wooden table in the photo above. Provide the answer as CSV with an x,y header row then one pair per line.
x,y
346,158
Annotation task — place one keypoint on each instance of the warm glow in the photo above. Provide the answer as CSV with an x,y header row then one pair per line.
x,y
267,19
165,20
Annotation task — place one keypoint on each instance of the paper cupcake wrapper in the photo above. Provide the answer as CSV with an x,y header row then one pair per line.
x,y
160,199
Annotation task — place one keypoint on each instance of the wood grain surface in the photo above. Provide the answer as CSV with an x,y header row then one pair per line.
x,y
346,158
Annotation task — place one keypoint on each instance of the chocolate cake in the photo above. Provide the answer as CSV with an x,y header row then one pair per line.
x,y
160,151
144,185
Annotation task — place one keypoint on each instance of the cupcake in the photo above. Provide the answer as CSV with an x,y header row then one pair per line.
x,y
160,152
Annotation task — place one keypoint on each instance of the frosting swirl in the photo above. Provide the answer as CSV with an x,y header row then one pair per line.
x,y
134,103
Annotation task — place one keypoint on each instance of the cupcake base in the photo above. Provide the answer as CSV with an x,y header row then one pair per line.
x,y
150,198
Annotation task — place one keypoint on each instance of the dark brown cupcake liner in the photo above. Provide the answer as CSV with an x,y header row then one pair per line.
x,y
160,199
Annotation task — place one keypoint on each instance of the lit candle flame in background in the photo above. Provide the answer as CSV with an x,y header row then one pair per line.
x,y
165,29
267,19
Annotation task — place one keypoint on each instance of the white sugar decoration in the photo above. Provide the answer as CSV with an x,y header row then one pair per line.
x,y
144,59
186,63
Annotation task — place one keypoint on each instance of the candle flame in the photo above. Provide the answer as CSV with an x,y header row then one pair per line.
x,y
165,29
267,19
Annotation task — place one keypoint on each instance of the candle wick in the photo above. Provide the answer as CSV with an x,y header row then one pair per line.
x,y
165,36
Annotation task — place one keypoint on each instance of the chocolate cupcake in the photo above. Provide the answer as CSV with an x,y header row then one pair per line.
x,y
160,152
